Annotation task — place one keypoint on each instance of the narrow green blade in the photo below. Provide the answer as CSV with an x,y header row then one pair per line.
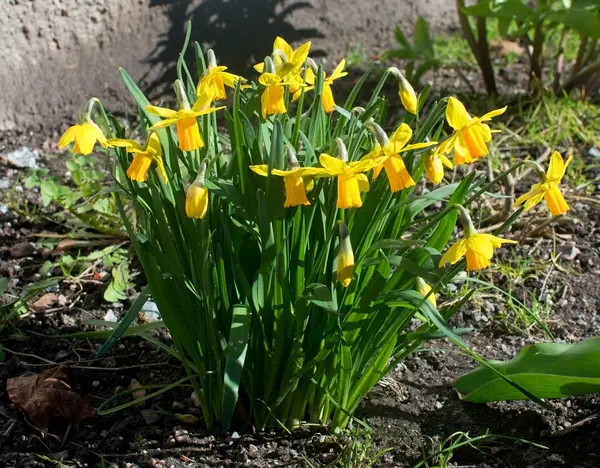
x,y
125,322
236,355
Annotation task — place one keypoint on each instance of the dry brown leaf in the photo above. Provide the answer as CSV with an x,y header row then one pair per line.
x,y
45,302
48,395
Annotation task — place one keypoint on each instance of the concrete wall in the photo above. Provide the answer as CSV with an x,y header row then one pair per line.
x,y
56,54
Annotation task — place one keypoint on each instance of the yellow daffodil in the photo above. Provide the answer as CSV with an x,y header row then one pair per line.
x,y
327,94
184,119
85,135
288,62
351,179
293,179
548,188
434,166
345,259
424,289
196,197
388,150
215,78
143,157
471,134
478,248
272,101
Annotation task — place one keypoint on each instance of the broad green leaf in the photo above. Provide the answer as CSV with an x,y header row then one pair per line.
x,y
583,21
500,9
547,370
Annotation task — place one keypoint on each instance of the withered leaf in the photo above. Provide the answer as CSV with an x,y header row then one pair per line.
x,y
44,302
48,395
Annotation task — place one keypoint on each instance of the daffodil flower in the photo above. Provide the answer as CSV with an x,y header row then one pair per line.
x,y
143,157
293,179
184,119
471,134
388,151
196,197
288,62
85,135
215,78
351,179
345,258
434,166
424,289
478,248
272,99
327,94
548,188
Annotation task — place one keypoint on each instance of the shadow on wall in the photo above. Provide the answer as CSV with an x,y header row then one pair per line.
x,y
241,32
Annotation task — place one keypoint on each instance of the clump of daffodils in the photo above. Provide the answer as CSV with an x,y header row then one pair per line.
x,y
285,265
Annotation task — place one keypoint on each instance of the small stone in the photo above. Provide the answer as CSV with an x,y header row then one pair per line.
x,y
177,406
4,184
150,417
195,400
22,249
96,383
110,316
594,152
62,300
235,436
137,394
23,157
149,312
488,306
252,451
44,302
439,405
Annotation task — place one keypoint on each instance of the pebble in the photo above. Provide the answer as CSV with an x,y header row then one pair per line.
x,y
22,249
252,451
594,152
23,158
150,417
96,383
439,405
110,316
150,311
235,436
4,184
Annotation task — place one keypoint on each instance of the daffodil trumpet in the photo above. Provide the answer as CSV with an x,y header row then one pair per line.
x,y
477,248
548,188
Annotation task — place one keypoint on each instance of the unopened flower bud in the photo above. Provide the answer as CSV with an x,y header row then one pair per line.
x,y
345,260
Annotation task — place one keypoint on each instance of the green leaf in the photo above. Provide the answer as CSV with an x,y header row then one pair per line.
x,y
3,285
581,20
500,9
421,39
117,289
547,370
236,355
320,295
131,314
